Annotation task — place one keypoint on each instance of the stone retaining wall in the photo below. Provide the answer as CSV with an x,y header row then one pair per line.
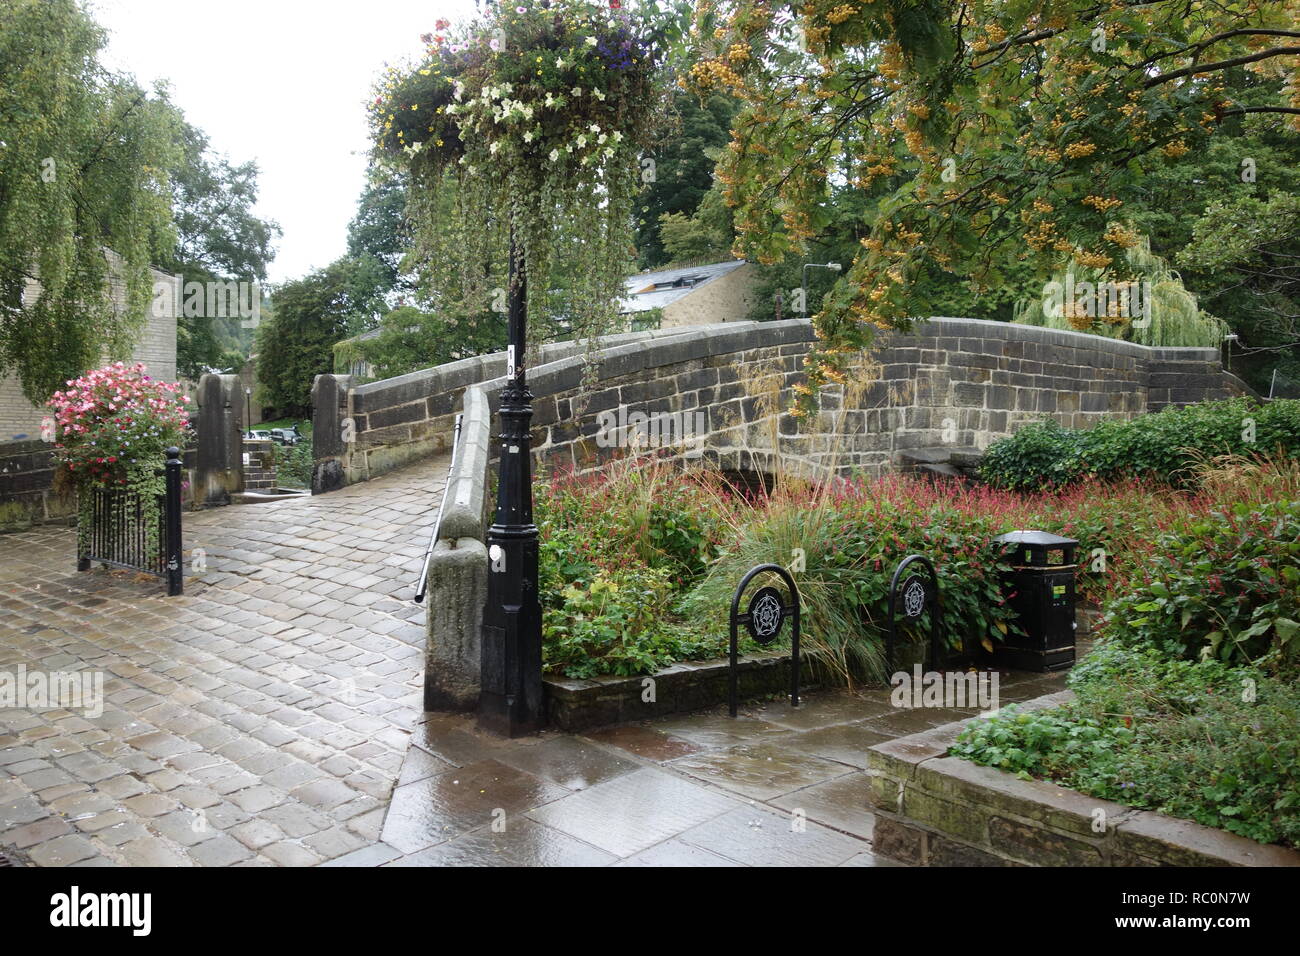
x,y
577,705
27,495
935,810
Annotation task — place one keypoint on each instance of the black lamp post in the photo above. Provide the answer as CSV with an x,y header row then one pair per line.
x,y
248,409
510,698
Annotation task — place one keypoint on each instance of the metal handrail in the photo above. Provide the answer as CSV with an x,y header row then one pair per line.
x,y
422,586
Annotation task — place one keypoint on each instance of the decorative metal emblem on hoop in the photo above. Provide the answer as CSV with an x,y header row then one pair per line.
x,y
917,592
766,616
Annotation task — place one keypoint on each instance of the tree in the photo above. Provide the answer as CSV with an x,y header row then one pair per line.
x,y
218,237
309,315
380,228
682,172
706,234
409,340
1252,248
84,155
1010,131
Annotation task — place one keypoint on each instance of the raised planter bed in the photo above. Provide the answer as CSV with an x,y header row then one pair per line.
x,y
935,810
574,705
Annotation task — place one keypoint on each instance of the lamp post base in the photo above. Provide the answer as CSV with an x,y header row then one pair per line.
x,y
510,701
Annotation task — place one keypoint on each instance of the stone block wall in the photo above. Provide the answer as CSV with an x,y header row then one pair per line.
x,y
949,382
27,494
259,465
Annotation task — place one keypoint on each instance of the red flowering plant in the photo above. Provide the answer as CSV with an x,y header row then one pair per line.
x,y
113,425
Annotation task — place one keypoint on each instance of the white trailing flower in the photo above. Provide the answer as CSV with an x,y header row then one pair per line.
x,y
555,154
591,41
577,91
598,94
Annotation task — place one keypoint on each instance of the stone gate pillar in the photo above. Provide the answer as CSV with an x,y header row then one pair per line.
x,y
331,441
219,462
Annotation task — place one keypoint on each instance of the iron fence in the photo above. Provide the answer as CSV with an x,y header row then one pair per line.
x,y
123,532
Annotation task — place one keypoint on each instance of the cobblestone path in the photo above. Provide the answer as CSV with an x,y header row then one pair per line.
x,y
261,718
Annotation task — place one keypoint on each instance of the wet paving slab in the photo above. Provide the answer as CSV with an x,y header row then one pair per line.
x,y
840,804
635,811
676,853
571,762
774,786
843,743
443,807
645,742
825,709
761,771
757,836
714,730
904,722
512,841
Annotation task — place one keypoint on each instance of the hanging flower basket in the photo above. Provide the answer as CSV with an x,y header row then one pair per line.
x,y
542,112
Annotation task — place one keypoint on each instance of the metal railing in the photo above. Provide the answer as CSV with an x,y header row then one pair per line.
x,y
124,533
422,585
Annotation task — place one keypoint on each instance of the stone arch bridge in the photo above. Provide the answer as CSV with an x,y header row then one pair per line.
x,y
946,389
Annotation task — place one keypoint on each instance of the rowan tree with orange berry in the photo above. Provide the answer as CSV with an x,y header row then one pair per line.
x,y
1007,131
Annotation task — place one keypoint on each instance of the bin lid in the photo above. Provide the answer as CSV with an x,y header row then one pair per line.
x,y
1041,538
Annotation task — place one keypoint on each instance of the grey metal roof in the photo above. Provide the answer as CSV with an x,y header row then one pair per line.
x,y
654,290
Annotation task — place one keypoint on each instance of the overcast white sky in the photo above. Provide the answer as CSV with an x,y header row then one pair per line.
x,y
282,82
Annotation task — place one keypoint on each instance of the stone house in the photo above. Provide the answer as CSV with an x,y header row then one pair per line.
x,y
691,295
155,346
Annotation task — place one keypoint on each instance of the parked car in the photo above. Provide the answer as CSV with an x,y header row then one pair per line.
x,y
285,436
258,435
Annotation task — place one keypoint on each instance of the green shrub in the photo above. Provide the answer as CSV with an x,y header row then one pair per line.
x,y
1039,455
1226,586
1193,739
1165,445
293,465
615,625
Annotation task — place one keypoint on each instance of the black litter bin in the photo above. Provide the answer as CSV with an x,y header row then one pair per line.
x,y
1040,589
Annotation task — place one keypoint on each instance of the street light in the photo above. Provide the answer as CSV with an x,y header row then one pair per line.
x,y
248,407
833,266
1227,348
510,697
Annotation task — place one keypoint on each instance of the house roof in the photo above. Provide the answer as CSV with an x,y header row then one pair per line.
x,y
654,290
